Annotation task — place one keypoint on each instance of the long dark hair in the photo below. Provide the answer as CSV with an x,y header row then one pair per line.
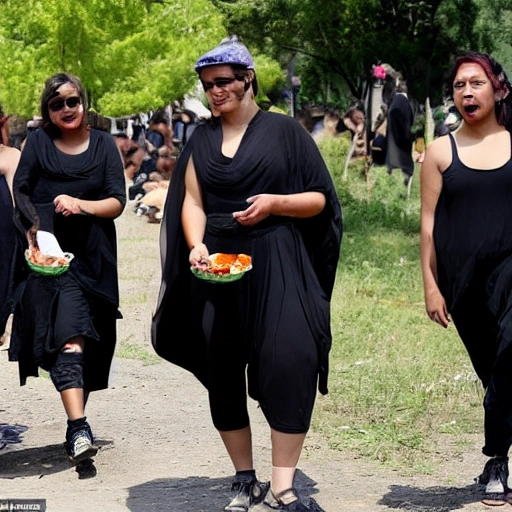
x,y
499,81
50,91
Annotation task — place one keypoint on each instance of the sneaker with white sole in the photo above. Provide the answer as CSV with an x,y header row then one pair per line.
x,y
79,442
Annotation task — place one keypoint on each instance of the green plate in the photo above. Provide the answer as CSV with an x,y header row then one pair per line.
x,y
216,278
46,270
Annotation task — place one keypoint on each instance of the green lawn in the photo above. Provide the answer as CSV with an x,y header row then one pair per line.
x,y
397,380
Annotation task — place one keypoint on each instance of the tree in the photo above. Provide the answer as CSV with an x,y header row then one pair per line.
x,y
131,55
495,30
339,40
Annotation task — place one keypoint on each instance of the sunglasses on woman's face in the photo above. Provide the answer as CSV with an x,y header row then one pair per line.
x,y
220,83
71,102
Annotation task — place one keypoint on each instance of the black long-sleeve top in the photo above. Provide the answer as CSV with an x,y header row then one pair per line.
x,y
43,173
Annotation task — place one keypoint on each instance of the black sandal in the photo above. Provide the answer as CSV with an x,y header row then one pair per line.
x,y
494,500
275,501
494,477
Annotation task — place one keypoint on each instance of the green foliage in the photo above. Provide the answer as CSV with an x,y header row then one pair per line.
x,y
398,382
137,55
130,54
269,74
338,41
495,30
127,350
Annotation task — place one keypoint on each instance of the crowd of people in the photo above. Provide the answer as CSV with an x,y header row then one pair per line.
x,y
248,182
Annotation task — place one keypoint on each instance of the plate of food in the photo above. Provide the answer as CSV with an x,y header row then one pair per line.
x,y
47,264
224,268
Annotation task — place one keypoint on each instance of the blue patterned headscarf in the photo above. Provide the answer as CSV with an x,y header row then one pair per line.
x,y
229,51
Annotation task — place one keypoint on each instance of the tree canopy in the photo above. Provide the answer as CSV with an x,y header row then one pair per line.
x,y
338,41
131,55
137,55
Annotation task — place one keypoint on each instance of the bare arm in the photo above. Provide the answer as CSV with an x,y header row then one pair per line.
x,y
301,205
108,208
431,185
193,218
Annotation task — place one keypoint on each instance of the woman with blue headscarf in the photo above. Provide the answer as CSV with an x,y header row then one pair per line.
x,y
251,182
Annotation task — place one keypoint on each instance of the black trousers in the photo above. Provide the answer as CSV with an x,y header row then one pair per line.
x,y
481,335
261,332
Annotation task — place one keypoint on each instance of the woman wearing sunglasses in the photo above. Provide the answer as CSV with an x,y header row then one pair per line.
x,y
251,182
69,182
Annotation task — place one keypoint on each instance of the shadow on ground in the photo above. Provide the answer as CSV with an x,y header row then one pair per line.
x,y
39,461
197,494
430,499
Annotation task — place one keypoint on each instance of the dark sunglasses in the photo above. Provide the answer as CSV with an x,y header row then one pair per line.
x,y
221,83
71,102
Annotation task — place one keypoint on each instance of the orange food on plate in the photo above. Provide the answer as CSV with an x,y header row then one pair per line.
x,y
221,259
221,263
244,260
38,258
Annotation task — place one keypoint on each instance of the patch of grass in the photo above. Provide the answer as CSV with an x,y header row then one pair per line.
x,y
132,277
398,382
134,239
141,298
133,351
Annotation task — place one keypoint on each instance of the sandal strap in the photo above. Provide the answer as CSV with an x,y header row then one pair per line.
x,y
255,490
496,500
258,492
239,486
278,497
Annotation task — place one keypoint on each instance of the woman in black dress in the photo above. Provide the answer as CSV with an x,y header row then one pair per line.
x,y
251,182
70,182
466,244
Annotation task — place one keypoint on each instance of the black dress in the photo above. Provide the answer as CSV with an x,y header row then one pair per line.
x,y
473,242
7,240
278,315
43,302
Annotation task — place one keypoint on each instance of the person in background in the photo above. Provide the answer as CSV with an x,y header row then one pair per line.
x,y
466,245
399,138
378,142
69,182
251,182
159,133
131,153
9,158
354,120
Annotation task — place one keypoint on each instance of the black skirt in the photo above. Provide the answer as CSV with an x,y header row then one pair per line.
x,y
49,312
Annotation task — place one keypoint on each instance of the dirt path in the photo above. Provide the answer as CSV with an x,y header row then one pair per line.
x,y
159,451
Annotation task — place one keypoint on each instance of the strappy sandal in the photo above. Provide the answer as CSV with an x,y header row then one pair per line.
x,y
248,494
494,477
275,501
494,500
